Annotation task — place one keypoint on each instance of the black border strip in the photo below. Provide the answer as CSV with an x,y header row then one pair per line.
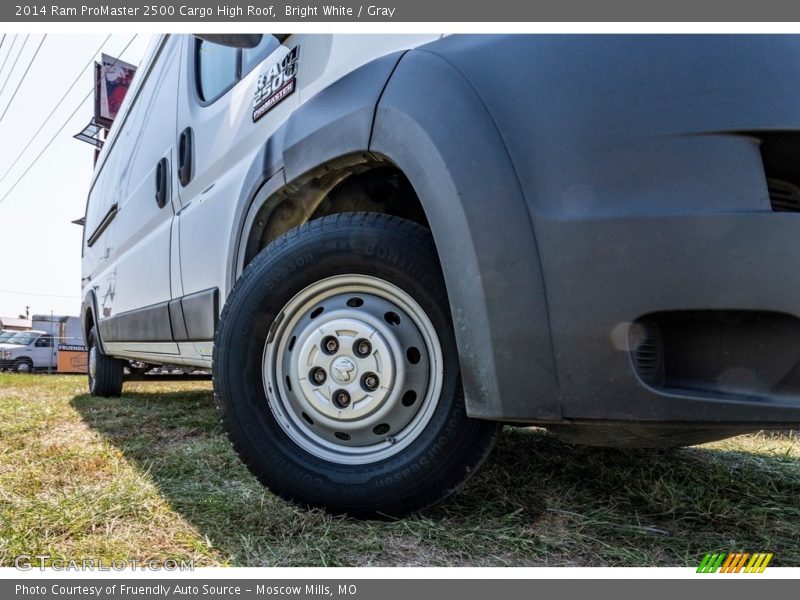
x,y
190,318
98,231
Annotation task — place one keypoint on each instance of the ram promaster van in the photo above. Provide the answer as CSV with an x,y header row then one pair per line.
x,y
387,246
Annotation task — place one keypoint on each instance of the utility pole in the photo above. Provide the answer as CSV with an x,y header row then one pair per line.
x,y
52,344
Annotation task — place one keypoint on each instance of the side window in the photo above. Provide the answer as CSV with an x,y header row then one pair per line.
x,y
46,341
217,69
252,56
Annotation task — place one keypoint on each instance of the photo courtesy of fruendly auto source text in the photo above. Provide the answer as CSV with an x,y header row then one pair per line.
x,y
309,300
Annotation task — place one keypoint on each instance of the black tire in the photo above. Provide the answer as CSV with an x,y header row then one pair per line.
x,y
23,365
107,381
448,450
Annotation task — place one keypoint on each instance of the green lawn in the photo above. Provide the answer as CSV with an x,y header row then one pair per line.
x,y
151,476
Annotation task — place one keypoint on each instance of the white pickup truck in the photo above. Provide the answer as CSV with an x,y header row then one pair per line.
x,y
28,350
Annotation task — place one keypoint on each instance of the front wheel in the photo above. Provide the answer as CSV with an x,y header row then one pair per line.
x,y
23,365
105,372
336,371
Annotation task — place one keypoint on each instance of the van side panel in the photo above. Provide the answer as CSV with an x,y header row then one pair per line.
x,y
132,255
226,140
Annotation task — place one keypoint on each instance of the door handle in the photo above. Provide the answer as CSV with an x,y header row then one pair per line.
x,y
162,168
185,156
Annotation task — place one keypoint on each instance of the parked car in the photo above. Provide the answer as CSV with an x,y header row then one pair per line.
x,y
28,350
386,246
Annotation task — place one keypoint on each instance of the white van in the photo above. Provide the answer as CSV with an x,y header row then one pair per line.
x,y
28,350
387,246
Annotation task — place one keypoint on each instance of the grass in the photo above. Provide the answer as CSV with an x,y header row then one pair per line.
x,y
151,476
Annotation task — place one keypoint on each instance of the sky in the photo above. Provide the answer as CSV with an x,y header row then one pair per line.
x,y
40,250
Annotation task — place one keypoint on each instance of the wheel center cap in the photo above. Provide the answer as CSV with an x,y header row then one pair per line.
x,y
343,370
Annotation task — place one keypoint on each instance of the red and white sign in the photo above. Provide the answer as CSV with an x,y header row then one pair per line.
x,y
115,79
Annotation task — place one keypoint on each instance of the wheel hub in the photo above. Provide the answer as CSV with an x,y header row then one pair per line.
x,y
353,368
343,370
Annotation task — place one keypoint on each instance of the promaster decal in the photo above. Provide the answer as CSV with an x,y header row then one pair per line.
x,y
276,84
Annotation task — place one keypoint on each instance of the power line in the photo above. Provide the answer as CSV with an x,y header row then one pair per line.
x,y
10,50
14,64
22,79
60,129
55,108
17,292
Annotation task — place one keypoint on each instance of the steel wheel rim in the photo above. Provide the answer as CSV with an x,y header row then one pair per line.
x,y
92,365
405,357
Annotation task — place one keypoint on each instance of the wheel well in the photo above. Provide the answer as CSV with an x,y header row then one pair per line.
x,y
355,184
88,324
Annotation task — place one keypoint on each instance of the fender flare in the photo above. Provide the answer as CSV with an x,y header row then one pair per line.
x,y
89,305
446,143
20,359
335,123
503,335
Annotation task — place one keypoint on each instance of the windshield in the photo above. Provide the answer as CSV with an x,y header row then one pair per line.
x,y
22,338
4,335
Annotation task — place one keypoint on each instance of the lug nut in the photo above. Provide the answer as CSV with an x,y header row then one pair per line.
x,y
341,398
363,348
370,382
330,345
318,375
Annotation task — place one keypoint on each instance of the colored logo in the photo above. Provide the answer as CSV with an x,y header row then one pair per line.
x,y
735,562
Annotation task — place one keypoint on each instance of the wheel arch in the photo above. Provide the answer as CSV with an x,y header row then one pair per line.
x,y
489,257
89,318
23,360
328,132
